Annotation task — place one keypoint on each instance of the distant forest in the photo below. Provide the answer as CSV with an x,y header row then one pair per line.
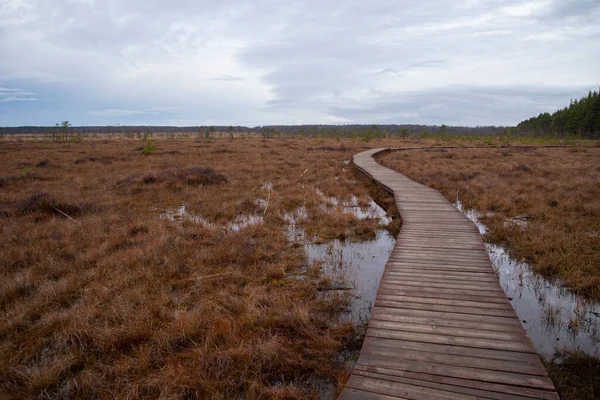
x,y
362,131
580,119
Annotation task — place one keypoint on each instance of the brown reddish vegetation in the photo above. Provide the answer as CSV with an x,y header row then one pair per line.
x,y
543,203
575,375
100,297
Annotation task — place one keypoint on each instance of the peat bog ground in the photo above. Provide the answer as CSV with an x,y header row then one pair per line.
x,y
214,268
171,274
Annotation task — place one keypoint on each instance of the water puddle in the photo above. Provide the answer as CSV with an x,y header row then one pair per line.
x,y
371,210
180,214
355,266
243,221
554,318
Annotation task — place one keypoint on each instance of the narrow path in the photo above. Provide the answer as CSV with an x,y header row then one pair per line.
x,y
441,326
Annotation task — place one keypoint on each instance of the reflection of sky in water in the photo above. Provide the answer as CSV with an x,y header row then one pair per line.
x,y
355,265
555,318
180,214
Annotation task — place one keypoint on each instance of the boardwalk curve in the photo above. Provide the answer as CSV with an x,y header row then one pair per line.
x,y
441,326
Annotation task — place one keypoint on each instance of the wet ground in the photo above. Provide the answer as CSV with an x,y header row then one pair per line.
x,y
554,318
355,266
352,266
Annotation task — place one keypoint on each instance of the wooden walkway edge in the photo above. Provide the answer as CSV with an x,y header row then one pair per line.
x,y
441,326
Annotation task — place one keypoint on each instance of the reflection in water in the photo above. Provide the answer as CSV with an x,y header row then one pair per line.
x,y
180,214
553,317
355,265
350,265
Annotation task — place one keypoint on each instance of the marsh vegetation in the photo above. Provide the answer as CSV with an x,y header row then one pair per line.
x,y
231,267
171,273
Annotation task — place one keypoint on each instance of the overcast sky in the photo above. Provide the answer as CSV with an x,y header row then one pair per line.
x,y
190,62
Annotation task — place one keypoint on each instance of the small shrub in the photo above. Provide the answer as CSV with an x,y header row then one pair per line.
x,y
46,204
103,160
523,167
149,178
43,163
149,147
194,176
200,176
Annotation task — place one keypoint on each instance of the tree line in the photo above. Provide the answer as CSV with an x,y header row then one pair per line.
x,y
374,131
580,119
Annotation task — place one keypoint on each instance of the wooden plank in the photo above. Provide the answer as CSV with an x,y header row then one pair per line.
x,y
526,358
399,276
492,389
441,386
449,283
437,329
442,256
385,295
493,296
446,322
450,360
493,344
400,390
503,377
448,244
475,277
508,319
425,267
403,255
442,307
437,269
439,294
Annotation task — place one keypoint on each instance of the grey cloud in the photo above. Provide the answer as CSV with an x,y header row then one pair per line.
x,y
227,78
561,9
15,94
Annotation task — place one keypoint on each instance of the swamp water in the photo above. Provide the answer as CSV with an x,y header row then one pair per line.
x,y
355,266
554,318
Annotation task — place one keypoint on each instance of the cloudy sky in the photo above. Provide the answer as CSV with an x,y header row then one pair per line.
x,y
228,62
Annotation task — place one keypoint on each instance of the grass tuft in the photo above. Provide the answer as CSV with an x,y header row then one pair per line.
x,y
575,375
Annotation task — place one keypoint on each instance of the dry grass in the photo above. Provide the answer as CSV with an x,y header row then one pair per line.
x,y
575,375
102,298
542,203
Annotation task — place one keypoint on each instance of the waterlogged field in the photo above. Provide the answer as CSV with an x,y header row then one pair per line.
x,y
201,269
247,267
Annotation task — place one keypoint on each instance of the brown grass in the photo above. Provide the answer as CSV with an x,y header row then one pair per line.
x,y
575,375
116,302
542,203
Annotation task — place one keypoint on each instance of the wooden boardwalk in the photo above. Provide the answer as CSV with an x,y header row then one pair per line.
x,y
441,326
